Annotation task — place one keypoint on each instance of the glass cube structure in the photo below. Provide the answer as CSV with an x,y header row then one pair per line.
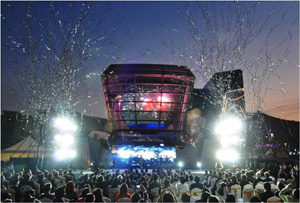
x,y
147,101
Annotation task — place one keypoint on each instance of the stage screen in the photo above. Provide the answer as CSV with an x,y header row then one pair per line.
x,y
147,152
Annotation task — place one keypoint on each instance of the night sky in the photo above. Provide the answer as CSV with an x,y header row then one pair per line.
x,y
142,35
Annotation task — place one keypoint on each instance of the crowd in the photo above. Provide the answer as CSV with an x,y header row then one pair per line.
x,y
157,185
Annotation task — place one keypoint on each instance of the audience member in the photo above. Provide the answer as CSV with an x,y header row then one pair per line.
x,y
47,194
90,197
154,184
98,187
267,177
258,179
244,181
185,198
71,193
205,196
136,197
267,194
197,184
213,198
123,192
255,199
59,194
85,191
230,198
98,193
191,180
289,198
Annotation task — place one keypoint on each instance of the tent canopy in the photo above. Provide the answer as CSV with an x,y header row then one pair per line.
x,y
26,148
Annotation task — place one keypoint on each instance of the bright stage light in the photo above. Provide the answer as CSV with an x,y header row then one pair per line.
x,y
57,138
64,140
228,155
163,99
198,164
62,154
64,124
228,140
163,105
225,141
147,104
229,126
180,164
234,139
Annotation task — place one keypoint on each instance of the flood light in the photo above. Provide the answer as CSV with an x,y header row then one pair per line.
x,y
229,140
180,164
64,124
198,164
63,154
64,140
229,126
228,155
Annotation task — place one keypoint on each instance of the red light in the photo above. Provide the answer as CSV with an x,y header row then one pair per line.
x,y
160,104
147,105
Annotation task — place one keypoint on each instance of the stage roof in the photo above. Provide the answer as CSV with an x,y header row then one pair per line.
x,y
148,69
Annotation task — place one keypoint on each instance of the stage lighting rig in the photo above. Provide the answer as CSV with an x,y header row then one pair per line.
x,y
64,125
229,132
63,154
228,155
64,139
229,126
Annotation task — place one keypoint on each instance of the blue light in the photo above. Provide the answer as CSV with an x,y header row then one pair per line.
x,y
148,126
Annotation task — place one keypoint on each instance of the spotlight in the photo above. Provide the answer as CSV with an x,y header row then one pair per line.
x,y
229,126
64,124
64,140
228,155
162,145
225,141
180,164
228,140
62,154
72,154
57,138
198,164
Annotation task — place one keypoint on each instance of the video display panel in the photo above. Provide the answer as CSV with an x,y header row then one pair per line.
x,y
147,152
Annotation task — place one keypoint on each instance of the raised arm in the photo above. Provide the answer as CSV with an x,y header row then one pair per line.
x,y
282,194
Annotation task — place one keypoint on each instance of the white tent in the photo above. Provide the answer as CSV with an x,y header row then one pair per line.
x,y
27,148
